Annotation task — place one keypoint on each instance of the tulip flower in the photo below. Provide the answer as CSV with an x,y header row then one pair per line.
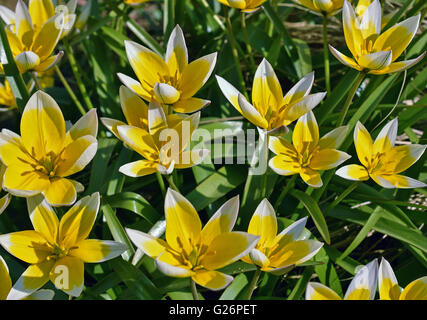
x,y
361,7
31,42
148,134
171,81
307,155
270,110
328,7
192,251
41,159
382,160
243,5
389,287
57,250
375,52
5,200
135,2
7,98
278,253
6,286
362,287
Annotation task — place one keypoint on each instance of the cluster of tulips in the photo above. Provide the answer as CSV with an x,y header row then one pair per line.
x,y
38,163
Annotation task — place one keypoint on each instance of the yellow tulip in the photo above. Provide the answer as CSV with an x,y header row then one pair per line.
x,y
362,287
382,160
307,154
172,81
192,251
147,133
6,286
135,2
41,159
278,253
6,96
389,288
270,110
244,5
57,250
375,52
31,42
328,7
5,200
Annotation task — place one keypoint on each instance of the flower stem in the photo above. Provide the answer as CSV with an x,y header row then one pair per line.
x,y
252,285
213,14
234,51
350,98
194,289
69,90
326,53
171,183
344,194
248,45
161,183
36,81
289,186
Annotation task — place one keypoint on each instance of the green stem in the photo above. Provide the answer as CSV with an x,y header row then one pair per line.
x,y
161,183
246,189
344,194
171,183
235,52
248,45
194,289
69,90
168,18
326,53
36,81
289,186
252,285
76,71
213,14
144,36
350,98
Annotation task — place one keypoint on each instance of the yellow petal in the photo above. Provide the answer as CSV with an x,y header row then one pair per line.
x,y
190,105
363,144
192,158
344,59
4,202
284,165
375,61
68,275
212,280
143,91
29,246
93,250
293,112
134,108
364,284
139,140
280,145
370,24
24,183
251,113
294,253
23,24
40,12
388,287
43,218
87,125
170,266
401,158
60,192
334,138
264,223
47,38
398,66
5,281
306,133
353,172
229,91
139,168
150,245
318,291
386,138
397,181
416,290
352,33
311,177
300,89
327,159
176,51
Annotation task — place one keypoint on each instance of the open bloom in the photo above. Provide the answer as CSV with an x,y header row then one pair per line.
x,y
57,250
278,253
189,250
7,98
362,287
161,139
243,5
172,81
6,286
382,160
33,39
375,52
389,287
307,155
329,7
361,7
270,110
41,159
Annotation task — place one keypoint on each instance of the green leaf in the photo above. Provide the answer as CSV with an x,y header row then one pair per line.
x,y
233,290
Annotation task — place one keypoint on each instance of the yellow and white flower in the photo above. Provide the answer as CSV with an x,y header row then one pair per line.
x,y
7,98
278,253
382,160
41,159
57,250
307,155
375,52
172,81
389,287
135,2
6,286
329,7
160,139
193,251
270,110
243,5
362,287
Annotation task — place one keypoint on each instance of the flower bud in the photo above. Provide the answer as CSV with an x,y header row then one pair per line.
x,y
27,60
166,93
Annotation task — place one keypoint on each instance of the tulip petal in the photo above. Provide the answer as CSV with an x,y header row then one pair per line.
x,y
344,59
363,143
375,61
370,24
60,192
29,246
138,168
176,51
311,177
252,114
318,291
222,221
334,138
388,287
353,35
48,63
281,165
183,225
306,133
291,233
302,107
139,140
327,159
93,251
258,258
300,89
7,15
190,105
402,157
112,124
134,108
40,295
48,36
230,92
150,245
364,284
264,223
135,86
156,118
416,290
6,282
23,24
43,218
68,275
386,138
397,181
192,158
4,202
212,280
31,280
353,172
40,11
399,66
87,125
196,74
171,267
280,145
24,183
294,253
